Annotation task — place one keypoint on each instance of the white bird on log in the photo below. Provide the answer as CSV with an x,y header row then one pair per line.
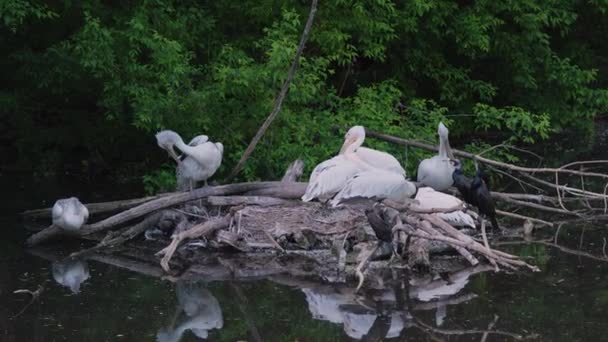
x,y
431,200
331,176
436,171
69,214
200,159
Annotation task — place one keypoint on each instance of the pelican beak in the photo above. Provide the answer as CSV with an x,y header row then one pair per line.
x,y
346,144
173,155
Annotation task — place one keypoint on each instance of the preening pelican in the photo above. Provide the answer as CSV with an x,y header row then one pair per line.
x,y
354,139
376,184
475,191
432,199
436,172
71,273
69,214
201,160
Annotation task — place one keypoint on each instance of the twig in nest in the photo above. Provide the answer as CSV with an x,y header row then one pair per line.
x,y
200,230
523,217
274,242
34,294
361,267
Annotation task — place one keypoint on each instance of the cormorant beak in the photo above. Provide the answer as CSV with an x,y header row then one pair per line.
x,y
347,143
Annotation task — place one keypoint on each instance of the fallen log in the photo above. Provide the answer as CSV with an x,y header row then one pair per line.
x,y
161,203
98,207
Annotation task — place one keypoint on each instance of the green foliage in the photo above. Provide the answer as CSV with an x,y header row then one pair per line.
x,y
524,68
162,180
13,13
523,125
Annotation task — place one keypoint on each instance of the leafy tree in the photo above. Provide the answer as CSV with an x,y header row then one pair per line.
x,y
96,81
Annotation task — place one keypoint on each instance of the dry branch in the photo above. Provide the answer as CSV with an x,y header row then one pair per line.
x,y
476,157
281,96
201,230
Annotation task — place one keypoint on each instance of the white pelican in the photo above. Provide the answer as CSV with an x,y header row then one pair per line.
x,y
71,273
330,176
354,139
201,161
69,214
436,172
430,199
376,184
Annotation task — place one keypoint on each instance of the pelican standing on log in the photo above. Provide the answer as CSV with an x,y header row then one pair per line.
x,y
436,171
200,160
331,176
69,214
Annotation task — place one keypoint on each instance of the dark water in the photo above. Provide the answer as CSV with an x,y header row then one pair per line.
x,y
566,301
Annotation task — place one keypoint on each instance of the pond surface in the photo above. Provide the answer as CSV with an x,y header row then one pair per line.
x,y
566,301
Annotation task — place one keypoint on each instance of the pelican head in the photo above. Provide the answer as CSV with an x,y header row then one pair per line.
x,y
167,139
442,130
353,139
444,142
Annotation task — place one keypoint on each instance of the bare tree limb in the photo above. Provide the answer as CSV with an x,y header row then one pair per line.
x,y
280,97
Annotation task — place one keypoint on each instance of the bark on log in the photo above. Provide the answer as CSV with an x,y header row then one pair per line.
x,y
262,201
293,190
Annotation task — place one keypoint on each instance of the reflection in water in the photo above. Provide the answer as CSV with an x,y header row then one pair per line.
x,y
361,319
197,310
71,273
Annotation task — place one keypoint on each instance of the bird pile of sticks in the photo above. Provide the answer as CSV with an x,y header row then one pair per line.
x,y
356,176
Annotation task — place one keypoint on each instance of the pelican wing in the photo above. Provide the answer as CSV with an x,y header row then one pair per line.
x,y
379,159
431,199
329,177
379,184
436,172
